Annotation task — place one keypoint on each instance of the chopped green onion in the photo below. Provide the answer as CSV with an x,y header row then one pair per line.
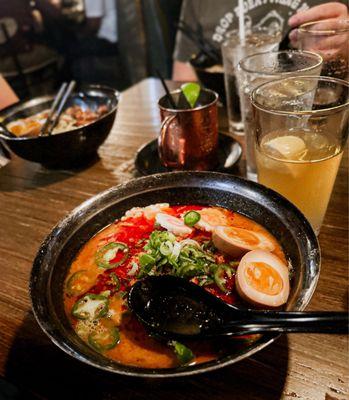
x,y
191,218
146,259
183,353
166,248
146,262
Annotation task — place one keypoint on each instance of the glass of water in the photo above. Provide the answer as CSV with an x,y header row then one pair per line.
x,y
330,39
263,67
233,50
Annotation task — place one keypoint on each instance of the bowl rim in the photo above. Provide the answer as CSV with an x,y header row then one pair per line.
x,y
265,340
11,110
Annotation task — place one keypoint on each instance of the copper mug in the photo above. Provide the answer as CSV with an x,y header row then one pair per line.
x,y
188,137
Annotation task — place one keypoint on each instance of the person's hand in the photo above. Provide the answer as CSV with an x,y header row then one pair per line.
x,y
320,12
183,72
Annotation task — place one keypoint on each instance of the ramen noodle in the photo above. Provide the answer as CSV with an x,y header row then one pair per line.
x,y
72,118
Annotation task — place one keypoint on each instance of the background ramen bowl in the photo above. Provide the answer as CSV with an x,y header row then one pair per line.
x,y
70,148
264,206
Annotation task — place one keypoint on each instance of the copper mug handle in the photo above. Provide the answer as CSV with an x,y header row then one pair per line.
x,y
162,140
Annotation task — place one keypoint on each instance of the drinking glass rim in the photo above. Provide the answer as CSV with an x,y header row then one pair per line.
x,y
176,110
308,112
251,71
263,29
328,32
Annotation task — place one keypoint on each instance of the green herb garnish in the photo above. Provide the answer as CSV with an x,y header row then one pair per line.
x,y
219,275
163,254
104,339
114,280
191,218
107,253
91,306
183,353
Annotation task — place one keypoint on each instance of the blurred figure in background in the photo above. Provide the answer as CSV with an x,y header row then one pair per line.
x,y
216,20
94,56
50,41
27,62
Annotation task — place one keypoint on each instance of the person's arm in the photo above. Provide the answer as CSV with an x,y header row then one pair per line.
x,y
185,48
49,8
320,12
94,12
183,71
7,95
92,26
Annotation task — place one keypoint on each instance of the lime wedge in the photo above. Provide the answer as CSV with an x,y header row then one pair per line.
x,y
191,92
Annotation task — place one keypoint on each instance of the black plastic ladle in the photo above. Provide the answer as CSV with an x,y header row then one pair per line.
x,y
175,308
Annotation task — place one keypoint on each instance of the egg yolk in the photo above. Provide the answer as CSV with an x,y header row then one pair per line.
x,y
243,236
264,278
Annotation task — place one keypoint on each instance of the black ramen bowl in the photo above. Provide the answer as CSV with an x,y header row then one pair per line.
x,y
264,206
67,149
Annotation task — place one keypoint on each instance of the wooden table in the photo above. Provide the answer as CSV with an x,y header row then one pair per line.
x,y
33,200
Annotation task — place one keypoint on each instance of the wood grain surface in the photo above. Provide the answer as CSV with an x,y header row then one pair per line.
x,y
33,200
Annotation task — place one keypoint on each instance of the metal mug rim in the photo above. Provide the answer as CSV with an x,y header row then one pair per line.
x,y
215,94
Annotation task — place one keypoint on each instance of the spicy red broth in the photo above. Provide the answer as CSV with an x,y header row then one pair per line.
x,y
158,239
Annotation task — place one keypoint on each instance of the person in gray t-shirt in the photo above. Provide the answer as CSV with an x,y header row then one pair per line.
x,y
216,18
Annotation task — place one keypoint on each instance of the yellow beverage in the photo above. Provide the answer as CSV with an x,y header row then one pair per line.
x,y
302,166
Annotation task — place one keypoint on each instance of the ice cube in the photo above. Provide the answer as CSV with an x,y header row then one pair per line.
x,y
289,147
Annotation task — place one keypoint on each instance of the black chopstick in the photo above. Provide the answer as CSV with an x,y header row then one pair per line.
x,y
285,42
168,94
60,106
55,103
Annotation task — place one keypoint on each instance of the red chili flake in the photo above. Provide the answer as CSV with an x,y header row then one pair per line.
x,y
229,297
179,210
200,236
118,257
135,230
104,282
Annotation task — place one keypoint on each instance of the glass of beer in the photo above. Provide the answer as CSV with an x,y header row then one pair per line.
x,y
257,40
188,137
330,39
263,67
301,127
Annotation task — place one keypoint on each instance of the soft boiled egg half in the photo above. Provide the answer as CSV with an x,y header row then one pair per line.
x,y
237,241
263,279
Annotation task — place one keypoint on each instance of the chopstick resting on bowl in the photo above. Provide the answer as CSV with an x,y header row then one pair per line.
x,y
57,107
